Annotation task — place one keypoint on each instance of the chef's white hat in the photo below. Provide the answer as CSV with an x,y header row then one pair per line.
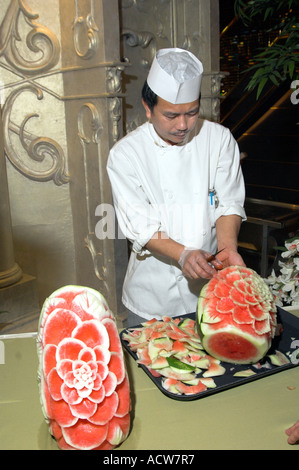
x,y
175,75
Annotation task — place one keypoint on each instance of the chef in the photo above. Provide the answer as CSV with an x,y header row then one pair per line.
x,y
178,193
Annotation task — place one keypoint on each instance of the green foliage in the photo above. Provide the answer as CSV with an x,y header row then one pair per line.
x,y
280,60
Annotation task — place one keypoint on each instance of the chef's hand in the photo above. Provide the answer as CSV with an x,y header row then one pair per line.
x,y
195,265
230,257
293,433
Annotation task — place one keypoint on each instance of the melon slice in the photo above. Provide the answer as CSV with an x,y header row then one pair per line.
x,y
83,382
236,316
171,350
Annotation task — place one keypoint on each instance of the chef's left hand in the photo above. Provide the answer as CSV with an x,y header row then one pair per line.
x,y
195,264
230,257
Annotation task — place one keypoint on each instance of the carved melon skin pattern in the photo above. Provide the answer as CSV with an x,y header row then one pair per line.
x,y
83,382
236,316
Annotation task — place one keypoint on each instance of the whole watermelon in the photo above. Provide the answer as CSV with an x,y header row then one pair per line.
x,y
84,387
236,316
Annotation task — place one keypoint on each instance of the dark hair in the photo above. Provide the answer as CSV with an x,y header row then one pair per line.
x,y
149,97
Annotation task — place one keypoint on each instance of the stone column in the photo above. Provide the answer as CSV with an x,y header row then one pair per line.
x,y
10,272
92,105
62,113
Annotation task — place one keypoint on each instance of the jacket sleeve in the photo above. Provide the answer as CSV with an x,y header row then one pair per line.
x,y
137,217
229,182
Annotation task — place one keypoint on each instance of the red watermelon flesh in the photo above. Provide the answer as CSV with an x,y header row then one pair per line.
x,y
83,382
236,316
171,350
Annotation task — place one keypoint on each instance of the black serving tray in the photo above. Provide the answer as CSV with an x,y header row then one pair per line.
x,y
284,343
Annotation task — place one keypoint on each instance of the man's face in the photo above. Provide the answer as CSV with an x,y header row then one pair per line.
x,y
173,121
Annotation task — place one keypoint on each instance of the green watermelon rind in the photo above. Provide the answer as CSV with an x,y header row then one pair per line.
x,y
73,288
200,304
179,366
207,319
262,343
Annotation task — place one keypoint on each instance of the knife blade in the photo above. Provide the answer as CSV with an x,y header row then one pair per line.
x,y
211,257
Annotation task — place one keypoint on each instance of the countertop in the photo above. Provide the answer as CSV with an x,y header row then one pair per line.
x,y
251,416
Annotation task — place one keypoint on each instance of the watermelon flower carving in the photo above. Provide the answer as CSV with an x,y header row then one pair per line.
x,y
84,387
236,316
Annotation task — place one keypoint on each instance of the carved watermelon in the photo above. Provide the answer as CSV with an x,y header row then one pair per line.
x,y
236,316
83,382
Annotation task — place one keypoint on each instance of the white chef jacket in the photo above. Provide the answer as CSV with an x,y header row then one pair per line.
x,y
180,190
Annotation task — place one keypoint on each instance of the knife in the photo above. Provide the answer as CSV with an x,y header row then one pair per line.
x,y
211,257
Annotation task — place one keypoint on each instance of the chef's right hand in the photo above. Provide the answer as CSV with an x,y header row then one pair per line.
x,y
194,264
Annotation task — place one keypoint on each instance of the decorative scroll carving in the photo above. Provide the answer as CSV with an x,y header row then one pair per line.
x,y
89,26
138,38
115,111
42,44
140,5
216,78
142,39
37,148
96,125
89,114
113,79
97,258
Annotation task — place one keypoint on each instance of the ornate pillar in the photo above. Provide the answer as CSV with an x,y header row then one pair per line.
x,y
60,75
10,272
92,98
